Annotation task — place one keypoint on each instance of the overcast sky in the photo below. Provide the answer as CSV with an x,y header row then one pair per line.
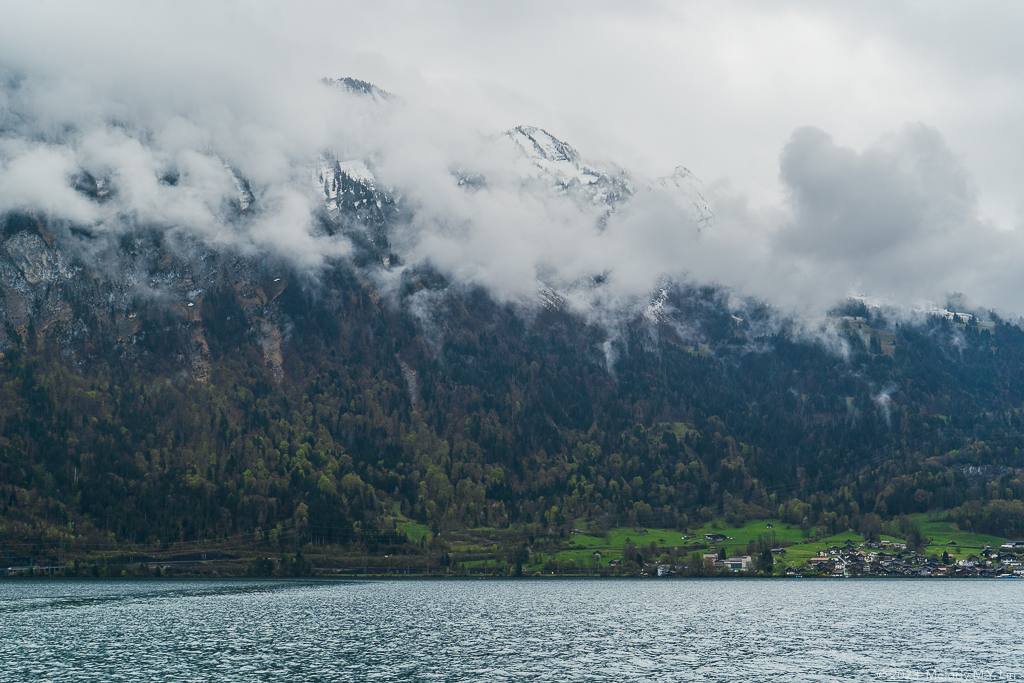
x,y
872,146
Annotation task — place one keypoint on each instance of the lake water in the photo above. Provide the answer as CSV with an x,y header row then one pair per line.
x,y
506,630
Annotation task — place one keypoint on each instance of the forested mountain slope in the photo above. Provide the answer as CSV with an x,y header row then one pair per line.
x,y
159,383
360,408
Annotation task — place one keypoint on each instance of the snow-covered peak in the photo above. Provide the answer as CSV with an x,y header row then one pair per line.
x,y
552,156
690,192
357,87
557,162
537,143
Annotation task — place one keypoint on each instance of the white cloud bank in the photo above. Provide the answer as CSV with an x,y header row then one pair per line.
x,y
174,110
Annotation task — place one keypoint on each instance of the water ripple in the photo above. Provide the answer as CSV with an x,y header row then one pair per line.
x,y
672,630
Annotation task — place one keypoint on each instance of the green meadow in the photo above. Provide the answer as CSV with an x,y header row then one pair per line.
x,y
578,550
414,531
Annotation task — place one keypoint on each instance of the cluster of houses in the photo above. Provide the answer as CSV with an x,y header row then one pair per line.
x,y
873,558
893,559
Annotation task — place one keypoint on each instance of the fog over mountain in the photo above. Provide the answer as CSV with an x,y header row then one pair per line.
x,y
204,135
349,279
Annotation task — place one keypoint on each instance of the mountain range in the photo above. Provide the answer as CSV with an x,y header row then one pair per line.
x,y
159,387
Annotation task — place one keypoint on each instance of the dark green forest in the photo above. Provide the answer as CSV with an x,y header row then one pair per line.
x,y
490,415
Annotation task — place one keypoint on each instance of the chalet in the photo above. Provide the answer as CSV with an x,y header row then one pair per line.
x,y
716,537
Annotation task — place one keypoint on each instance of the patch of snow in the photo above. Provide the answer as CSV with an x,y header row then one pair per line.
x,y
328,174
242,192
549,298
325,177
655,310
357,170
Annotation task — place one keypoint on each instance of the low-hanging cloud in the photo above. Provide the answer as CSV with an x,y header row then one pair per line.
x,y
233,166
898,221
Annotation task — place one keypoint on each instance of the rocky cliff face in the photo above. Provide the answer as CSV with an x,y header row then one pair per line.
x,y
129,296
355,204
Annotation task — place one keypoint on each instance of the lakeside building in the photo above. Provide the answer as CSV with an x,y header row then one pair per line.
x,y
739,563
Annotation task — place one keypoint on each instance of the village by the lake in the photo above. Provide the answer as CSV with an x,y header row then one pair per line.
x,y
919,546
879,558
916,546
